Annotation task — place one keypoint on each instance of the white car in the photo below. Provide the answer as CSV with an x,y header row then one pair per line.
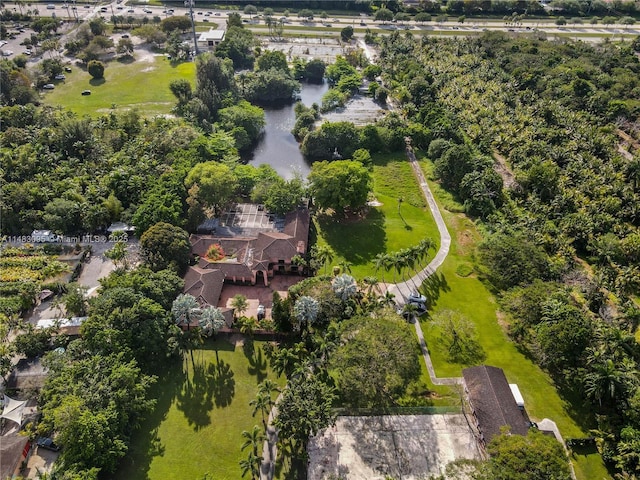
x,y
60,76
49,86
7,53
416,297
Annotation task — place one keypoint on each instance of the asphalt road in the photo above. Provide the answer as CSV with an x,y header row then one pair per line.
x,y
82,11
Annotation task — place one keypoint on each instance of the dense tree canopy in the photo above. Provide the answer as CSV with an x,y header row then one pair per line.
x,y
377,360
534,457
165,246
340,184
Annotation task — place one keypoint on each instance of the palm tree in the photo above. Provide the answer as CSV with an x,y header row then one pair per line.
x,y
388,299
268,387
424,246
261,403
381,260
345,287
284,361
251,464
211,320
185,309
397,262
608,381
371,283
345,266
252,439
239,304
409,311
306,311
324,254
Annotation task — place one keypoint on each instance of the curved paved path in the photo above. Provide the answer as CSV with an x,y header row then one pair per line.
x,y
402,290
270,446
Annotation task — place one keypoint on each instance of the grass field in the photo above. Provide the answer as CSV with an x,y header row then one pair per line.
x,y
141,84
469,296
383,229
197,425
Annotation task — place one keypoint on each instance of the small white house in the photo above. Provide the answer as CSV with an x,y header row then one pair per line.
x,y
209,40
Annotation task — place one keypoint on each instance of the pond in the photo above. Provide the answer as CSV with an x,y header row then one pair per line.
x,y
278,147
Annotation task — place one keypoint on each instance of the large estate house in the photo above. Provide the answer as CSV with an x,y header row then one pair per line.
x,y
251,246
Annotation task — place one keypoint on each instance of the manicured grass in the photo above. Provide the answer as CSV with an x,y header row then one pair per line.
x,y
197,425
383,230
139,84
469,296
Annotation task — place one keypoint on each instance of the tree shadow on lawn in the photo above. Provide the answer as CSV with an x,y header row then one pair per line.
x,y
357,241
96,82
257,365
145,444
432,287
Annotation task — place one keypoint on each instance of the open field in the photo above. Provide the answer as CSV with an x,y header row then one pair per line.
x,y
383,230
469,296
141,84
197,424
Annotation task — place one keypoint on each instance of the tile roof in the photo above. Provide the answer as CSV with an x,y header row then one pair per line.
x,y
204,284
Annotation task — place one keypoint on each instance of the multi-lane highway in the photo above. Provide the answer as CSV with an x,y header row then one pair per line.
x,y
81,11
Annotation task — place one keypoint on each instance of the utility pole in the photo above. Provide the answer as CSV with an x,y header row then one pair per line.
x,y
190,4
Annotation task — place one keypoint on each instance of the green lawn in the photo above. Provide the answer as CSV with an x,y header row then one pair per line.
x,y
470,296
197,425
141,84
383,230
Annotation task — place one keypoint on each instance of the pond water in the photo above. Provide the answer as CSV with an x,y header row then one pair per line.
x,y
278,147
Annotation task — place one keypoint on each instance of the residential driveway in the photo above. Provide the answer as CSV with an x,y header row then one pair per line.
x,y
40,461
259,294
410,447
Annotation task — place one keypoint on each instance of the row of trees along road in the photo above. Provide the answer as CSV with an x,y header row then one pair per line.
x,y
550,113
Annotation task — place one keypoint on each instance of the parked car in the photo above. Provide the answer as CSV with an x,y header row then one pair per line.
x,y
260,312
125,35
60,76
67,69
416,297
86,92
47,443
48,86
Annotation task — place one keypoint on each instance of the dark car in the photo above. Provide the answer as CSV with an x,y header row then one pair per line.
x,y
86,92
47,443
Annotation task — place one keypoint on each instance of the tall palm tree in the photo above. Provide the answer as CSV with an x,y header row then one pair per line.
x,y
239,304
381,262
253,439
268,387
251,464
261,403
324,254
424,246
345,287
283,361
306,311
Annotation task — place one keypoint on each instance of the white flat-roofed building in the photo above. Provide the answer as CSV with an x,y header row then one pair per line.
x,y
212,38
